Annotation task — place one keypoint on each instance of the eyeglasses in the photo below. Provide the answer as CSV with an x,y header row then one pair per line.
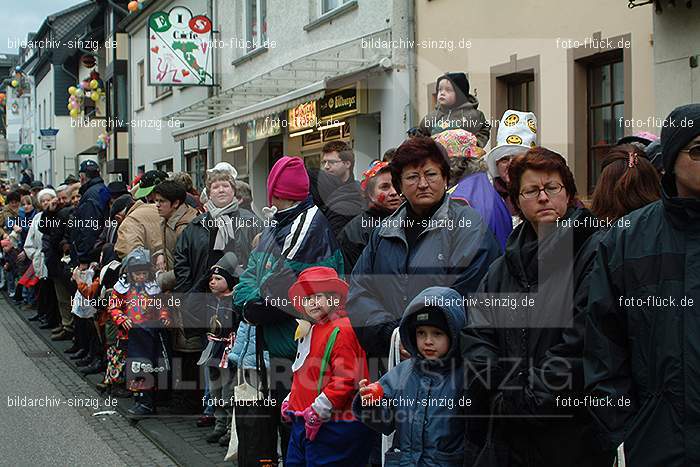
x,y
693,152
431,177
551,189
331,162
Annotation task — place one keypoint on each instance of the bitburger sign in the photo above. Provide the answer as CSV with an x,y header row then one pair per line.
x,y
338,103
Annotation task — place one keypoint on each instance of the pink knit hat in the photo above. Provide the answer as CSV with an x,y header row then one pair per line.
x,y
288,179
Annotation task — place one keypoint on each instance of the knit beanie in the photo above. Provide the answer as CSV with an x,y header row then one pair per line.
x,y
227,267
459,82
288,179
44,192
120,204
431,316
680,127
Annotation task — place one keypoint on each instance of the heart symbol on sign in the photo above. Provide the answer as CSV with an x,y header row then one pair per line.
x,y
155,49
204,47
185,73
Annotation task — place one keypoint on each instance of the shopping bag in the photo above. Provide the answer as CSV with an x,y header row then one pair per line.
x,y
394,359
255,417
29,278
82,307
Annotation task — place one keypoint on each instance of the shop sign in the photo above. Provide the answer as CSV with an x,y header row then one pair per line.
x,y
338,103
263,128
231,137
179,49
302,116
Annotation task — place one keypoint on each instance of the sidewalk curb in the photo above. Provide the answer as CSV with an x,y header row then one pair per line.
x,y
151,428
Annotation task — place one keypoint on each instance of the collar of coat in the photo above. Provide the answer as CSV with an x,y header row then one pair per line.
x,y
178,215
122,286
682,213
526,254
394,225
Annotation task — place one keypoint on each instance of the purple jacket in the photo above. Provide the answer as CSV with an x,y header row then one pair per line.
x,y
478,191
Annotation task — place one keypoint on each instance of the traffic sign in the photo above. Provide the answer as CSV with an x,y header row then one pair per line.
x,y
48,138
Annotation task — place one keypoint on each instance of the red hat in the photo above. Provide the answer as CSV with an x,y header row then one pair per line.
x,y
318,279
288,179
371,172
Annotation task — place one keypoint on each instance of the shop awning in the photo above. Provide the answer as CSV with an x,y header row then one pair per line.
x,y
25,150
284,87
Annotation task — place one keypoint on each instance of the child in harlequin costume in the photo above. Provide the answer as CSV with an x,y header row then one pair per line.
x,y
139,313
329,365
223,277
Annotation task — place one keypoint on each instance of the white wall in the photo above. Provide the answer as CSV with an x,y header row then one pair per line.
x,y
676,39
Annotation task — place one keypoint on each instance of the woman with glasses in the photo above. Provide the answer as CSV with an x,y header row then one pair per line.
x,y
523,368
431,240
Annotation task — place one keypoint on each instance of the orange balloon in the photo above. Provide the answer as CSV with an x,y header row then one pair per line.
x,y
133,6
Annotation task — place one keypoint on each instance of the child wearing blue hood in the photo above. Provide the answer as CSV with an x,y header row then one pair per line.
x,y
422,397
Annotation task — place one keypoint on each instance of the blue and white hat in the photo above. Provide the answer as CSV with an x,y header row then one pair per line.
x,y
517,133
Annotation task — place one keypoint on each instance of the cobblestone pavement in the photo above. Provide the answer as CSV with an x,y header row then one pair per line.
x,y
66,432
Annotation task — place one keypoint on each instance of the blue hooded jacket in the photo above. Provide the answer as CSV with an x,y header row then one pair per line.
x,y
423,398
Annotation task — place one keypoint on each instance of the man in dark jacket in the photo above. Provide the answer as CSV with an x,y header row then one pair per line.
x,y
643,326
90,215
383,200
55,246
344,200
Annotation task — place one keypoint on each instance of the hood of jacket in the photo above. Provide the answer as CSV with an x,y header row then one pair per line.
x,y
471,103
447,300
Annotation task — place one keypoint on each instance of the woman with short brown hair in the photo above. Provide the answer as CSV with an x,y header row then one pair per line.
x,y
522,343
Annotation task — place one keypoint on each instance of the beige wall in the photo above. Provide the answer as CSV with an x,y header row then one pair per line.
x,y
529,29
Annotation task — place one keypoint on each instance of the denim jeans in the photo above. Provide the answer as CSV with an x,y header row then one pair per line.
x,y
11,283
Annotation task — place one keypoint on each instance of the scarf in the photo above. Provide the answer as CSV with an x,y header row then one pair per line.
x,y
226,231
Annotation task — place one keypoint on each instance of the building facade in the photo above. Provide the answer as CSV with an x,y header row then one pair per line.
x,y
586,79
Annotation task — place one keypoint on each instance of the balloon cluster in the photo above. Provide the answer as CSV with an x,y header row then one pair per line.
x,y
90,88
103,141
18,83
136,5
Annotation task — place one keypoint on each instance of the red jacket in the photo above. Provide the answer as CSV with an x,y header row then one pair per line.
x,y
346,367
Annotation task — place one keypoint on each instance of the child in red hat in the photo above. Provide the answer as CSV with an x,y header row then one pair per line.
x,y
329,365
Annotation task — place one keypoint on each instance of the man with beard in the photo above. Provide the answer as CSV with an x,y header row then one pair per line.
x,y
382,200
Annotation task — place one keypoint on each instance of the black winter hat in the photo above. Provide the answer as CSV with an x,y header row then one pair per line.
x,y
227,267
680,127
117,189
460,83
120,204
431,316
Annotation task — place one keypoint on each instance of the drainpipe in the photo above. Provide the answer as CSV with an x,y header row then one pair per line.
x,y
411,19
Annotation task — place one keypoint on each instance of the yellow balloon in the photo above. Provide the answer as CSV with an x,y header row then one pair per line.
x,y
74,113
70,107
94,84
14,83
71,90
95,97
